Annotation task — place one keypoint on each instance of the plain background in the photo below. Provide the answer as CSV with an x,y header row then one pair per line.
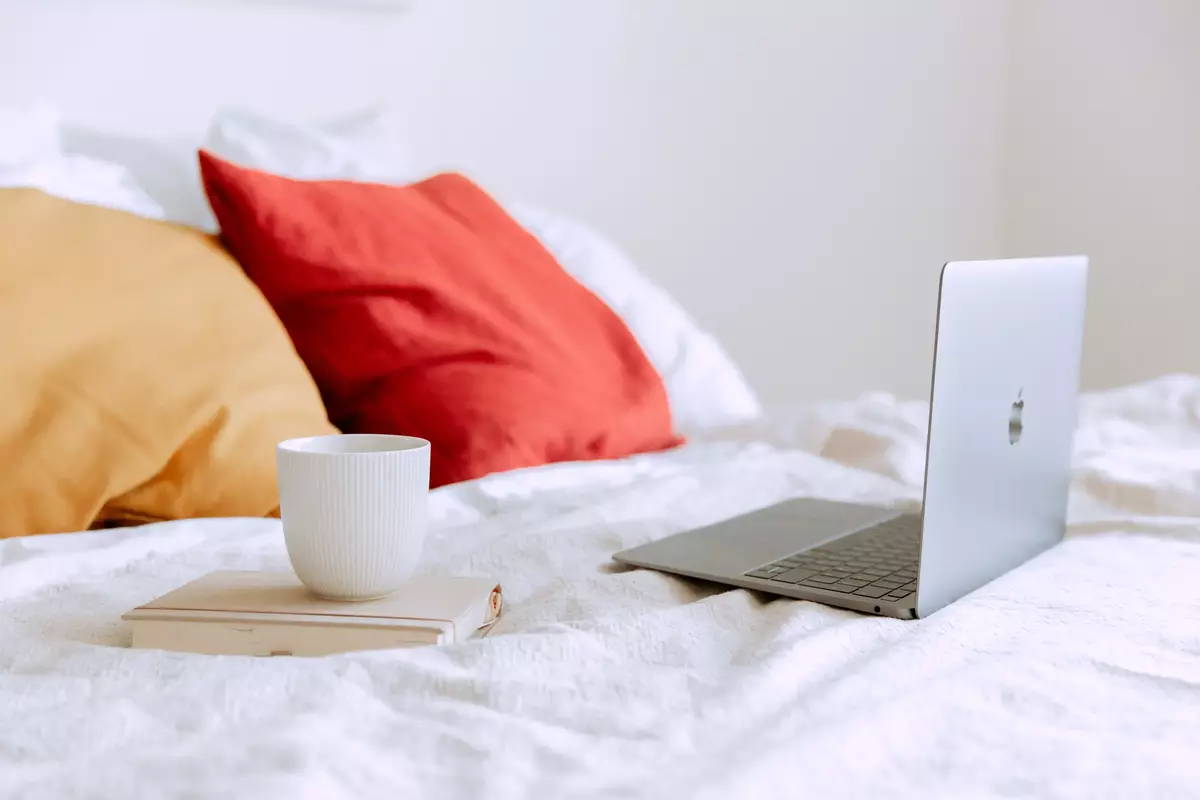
x,y
794,172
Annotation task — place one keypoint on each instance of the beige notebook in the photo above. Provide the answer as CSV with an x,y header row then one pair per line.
x,y
272,614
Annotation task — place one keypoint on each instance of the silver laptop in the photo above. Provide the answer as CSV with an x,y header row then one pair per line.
x,y
997,463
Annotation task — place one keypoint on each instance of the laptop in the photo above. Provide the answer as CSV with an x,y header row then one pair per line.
x,y
997,463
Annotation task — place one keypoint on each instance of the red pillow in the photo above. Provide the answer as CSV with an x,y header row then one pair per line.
x,y
426,310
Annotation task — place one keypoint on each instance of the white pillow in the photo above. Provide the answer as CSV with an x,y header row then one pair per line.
x,y
367,146
704,387
31,155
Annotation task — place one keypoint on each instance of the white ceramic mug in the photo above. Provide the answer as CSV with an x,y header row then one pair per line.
x,y
354,511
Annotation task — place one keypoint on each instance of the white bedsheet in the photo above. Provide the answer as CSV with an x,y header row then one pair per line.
x,y
1078,675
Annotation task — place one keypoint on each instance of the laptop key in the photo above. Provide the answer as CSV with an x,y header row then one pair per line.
x,y
872,591
821,579
846,588
794,575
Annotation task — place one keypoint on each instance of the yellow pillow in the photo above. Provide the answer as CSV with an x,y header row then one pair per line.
x,y
142,375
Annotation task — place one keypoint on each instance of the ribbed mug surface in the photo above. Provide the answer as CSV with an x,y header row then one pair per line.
x,y
354,510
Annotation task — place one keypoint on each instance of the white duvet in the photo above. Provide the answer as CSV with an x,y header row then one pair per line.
x,y
1078,675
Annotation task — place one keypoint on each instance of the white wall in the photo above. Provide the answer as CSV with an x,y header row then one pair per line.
x,y
1104,158
795,172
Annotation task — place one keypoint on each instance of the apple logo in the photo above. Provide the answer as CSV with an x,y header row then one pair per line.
x,y
1015,425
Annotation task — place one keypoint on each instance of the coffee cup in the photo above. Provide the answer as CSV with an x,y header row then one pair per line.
x,y
354,509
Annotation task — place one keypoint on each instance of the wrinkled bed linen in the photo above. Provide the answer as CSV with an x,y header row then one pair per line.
x,y
1076,675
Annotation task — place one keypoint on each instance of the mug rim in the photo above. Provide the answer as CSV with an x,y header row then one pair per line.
x,y
402,444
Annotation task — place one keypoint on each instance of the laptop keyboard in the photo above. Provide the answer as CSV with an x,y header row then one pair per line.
x,y
876,562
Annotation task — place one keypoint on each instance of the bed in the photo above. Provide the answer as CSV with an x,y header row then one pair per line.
x,y
1076,675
